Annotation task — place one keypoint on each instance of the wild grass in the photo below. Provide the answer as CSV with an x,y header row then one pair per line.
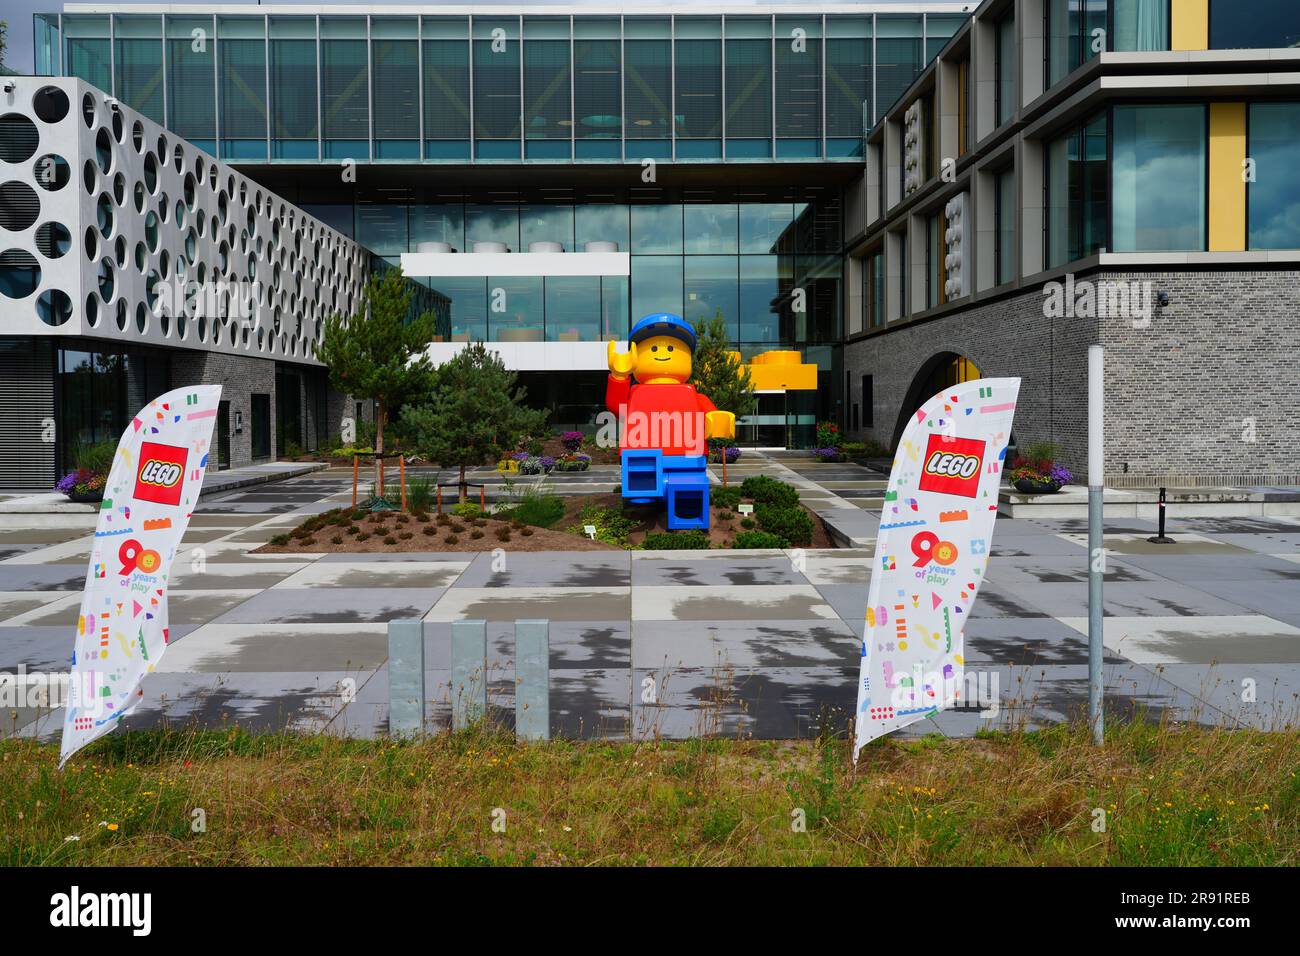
x,y
1168,795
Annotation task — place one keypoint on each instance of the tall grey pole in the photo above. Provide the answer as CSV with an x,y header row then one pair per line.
x,y
1096,544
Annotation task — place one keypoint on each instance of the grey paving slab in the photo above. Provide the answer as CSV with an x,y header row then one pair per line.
x,y
582,569
183,607
1199,568
374,574
334,605
728,603
1123,599
15,603
423,557
1207,640
42,577
511,604
1278,599
741,571
783,703
1260,696
253,648
1025,641
225,576
1062,569
745,646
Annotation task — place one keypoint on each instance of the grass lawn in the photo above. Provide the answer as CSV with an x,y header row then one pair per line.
x,y
1186,796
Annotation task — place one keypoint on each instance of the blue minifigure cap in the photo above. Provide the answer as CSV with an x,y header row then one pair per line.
x,y
664,323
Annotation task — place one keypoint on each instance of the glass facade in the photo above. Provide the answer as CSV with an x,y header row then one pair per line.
x,y
1004,188
1076,190
772,270
1159,176
299,88
1273,210
1254,24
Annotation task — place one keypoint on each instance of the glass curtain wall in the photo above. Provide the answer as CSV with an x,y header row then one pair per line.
x,y
848,83
87,52
899,58
497,108
1254,24
548,89
395,59
295,109
138,64
1159,175
648,87
446,88
345,79
597,89
1273,208
241,93
697,48
1076,188
798,87
191,81
749,87
1141,25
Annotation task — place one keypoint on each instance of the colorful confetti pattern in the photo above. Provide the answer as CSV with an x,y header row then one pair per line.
x,y
931,553
122,628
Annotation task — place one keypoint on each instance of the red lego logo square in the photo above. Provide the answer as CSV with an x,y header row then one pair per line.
x,y
161,474
952,466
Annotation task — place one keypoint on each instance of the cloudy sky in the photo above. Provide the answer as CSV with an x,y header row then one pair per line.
x,y
18,13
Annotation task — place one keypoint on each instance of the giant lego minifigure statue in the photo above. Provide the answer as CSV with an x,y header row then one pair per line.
x,y
664,422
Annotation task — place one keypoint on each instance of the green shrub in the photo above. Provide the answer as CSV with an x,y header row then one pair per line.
x,y
467,509
760,539
96,457
612,525
748,523
728,497
676,541
292,449
420,493
541,511
786,521
763,488
280,540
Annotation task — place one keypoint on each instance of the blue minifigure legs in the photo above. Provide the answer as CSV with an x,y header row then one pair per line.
x,y
681,482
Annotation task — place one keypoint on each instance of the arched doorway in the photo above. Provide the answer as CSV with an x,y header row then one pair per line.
x,y
941,371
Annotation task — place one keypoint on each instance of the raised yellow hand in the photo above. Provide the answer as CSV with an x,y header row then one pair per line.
x,y
719,425
622,363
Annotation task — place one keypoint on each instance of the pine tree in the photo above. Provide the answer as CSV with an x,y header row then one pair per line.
x,y
716,371
476,412
378,354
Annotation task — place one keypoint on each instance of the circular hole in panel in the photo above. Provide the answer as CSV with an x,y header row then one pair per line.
x,y
19,206
20,274
54,307
53,240
53,172
50,104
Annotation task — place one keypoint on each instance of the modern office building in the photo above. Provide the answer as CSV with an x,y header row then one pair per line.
x,y
1070,172
550,173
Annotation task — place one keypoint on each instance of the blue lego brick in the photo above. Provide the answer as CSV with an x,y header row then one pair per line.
x,y
688,501
643,474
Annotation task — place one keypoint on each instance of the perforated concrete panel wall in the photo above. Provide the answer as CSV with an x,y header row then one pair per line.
x,y
113,228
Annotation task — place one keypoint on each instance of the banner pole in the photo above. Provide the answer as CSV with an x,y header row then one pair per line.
x,y
354,482
401,471
1096,542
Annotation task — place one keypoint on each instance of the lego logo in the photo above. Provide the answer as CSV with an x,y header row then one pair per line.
x,y
161,473
949,465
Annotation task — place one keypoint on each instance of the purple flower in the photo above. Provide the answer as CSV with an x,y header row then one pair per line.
x,y
572,441
1060,474
547,462
66,483
827,454
520,456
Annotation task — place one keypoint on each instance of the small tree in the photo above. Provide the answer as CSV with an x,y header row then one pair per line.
x,y
378,354
717,372
476,412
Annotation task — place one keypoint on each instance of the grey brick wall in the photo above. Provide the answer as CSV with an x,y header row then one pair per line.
x,y
1181,394
240,376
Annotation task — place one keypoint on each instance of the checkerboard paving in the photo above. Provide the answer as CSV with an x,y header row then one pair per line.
x,y
644,644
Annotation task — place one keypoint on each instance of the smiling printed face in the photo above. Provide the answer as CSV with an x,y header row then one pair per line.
x,y
661,359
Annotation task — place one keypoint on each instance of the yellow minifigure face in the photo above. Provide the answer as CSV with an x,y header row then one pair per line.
x,y
662,359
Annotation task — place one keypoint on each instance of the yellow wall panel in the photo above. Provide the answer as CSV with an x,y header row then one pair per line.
x,y
1227,187
1189,27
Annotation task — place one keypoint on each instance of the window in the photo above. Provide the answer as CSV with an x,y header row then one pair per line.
x,y
873,292
1075,185
446,88
798,86
934,248
1005,90
648,85
138,56
496,88
1274,196
344,87
1140,25
848,83
1004,187
904,294
191,83
395,56
749,87
699,87
241,45
898,57
547,106
1159,178
294,109
963,107
1254,24
597,85
868,401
